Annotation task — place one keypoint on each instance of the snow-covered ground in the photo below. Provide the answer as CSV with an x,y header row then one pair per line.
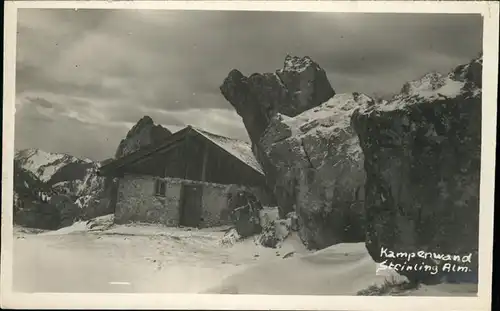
x,y
152,259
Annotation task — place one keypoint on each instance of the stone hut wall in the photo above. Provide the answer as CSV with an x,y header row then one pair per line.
x,y
137,202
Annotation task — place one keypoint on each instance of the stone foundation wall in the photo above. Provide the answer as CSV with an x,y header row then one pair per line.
x,y
215,205
137,202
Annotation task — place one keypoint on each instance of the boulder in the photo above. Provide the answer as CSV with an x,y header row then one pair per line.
x,y
316,165
230,238
422,155
302,138
245,210
101,223
142,134
274,229
275,232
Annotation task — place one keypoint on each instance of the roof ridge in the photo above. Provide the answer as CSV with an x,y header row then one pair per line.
x,y
239,149
255,164
202,131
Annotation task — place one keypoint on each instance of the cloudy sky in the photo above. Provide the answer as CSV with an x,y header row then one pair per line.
x,y
84,77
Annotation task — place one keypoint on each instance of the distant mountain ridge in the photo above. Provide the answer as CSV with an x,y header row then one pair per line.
x,y
49,167
42,176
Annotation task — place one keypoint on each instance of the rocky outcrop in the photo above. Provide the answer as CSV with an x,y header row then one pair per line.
x,y
299,86
422,154
142,134
301,135
317,169
101,223
275,232
98,196
63,186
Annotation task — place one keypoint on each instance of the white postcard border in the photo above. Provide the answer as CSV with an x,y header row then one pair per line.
x,y
490,12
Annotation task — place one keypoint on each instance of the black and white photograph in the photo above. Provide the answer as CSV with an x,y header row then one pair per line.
x,y
264,152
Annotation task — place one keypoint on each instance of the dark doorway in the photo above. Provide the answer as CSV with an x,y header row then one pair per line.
x,y
191,205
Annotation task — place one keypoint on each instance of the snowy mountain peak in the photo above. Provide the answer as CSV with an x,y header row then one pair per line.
x,y
430,81
465,80
471,72
44,165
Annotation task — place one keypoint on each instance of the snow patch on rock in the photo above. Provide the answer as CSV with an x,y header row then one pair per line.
x,y
268,215
463,81
42,164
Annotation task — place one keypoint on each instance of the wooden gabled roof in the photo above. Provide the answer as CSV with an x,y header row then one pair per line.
x,y
237,148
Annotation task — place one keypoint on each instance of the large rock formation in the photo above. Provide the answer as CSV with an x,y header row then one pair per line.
x,y
144,133
317,169
422,154
302,138
299,86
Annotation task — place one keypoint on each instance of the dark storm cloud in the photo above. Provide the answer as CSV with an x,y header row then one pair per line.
x,y
67,135
105,69
33,78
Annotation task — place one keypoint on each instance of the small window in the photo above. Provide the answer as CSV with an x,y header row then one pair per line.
x,y
160,188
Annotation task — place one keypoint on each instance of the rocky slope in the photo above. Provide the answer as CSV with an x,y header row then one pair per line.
x,y
53,168
302,137
58,185
31,197
142,134
317,162
422,154
64,174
